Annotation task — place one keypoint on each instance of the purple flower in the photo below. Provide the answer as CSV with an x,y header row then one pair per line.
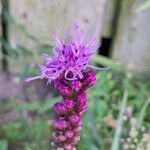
x,y
69,134
67,68
74,119
58,137
77,129
76,139
71,56
76,85
63,107
60,108
68,147
60,124
81,102
62,88
89,80
69,104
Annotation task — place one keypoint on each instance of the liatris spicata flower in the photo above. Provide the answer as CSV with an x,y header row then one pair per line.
x,y
68,70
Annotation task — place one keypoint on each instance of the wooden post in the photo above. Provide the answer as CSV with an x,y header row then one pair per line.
x,y
40,18
4,30
131,44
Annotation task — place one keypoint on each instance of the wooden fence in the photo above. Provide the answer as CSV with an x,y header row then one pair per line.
x,y
117,20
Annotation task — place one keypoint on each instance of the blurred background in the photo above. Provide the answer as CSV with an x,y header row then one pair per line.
x,y
118,114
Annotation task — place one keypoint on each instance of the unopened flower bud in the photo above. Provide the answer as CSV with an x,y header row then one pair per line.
x,y
89,80
63,107
76,139
74,119
81,103
60,124
69,134
67,146
60,108
62,88
58,138
69,104
77,129
76,85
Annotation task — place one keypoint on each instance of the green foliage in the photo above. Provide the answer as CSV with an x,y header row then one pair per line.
x,y
143,113
144,6
116,141
3,145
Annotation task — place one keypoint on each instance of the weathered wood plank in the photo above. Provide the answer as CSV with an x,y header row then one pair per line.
x,y
42,17
132,43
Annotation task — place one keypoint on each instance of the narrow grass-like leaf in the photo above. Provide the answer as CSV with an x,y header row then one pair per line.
x,y
142,113
116,140
3,145
30,106
95,135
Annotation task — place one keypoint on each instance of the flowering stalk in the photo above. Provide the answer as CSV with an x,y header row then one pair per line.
x,y
68,122
68,70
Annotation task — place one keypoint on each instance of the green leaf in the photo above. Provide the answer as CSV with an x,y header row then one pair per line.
x,y
116,140
95,135
143,113
31,106
3,145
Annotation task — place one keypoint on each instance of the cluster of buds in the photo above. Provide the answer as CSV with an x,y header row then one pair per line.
x,y
68,112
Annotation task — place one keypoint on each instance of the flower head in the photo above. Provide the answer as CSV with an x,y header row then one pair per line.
x,y
71,56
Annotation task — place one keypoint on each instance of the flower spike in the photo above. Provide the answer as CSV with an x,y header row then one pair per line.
x,y
68,71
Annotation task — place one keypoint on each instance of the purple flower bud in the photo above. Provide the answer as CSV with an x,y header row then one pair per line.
x,y
62,88
58,138
76,85
74,119
82,97
68,147
74,148
69,104
63,107
60,124
62,138
58,148
89,80
81,103
69,134
65,91
76,139
79,124
77,129
60,108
